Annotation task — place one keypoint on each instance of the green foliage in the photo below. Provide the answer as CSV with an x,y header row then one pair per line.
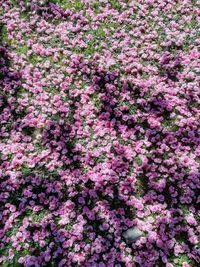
x,y
182,258
142,185
115,4
170,124
100,159
15,228
66,4
24,15
97,102
26,170
28,130
138,160
23,49
33,59
4,34
96,7
37,217
99,32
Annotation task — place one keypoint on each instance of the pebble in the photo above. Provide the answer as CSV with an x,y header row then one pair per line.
x,y
132,235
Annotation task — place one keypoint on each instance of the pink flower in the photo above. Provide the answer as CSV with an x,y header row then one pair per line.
x,y
191,220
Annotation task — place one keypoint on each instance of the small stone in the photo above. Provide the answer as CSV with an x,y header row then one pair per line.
x,y
28,5
42,2
132,235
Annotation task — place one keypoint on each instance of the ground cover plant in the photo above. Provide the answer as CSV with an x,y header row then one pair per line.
x,y
99,132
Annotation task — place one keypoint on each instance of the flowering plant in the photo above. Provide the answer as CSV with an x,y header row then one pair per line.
x,y
99,136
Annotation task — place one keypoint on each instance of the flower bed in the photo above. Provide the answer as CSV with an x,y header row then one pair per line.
x,y
99,133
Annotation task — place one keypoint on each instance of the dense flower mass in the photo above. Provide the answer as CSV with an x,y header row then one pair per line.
x,y
99,133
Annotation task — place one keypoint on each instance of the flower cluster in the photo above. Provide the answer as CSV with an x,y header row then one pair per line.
x,y
99,116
